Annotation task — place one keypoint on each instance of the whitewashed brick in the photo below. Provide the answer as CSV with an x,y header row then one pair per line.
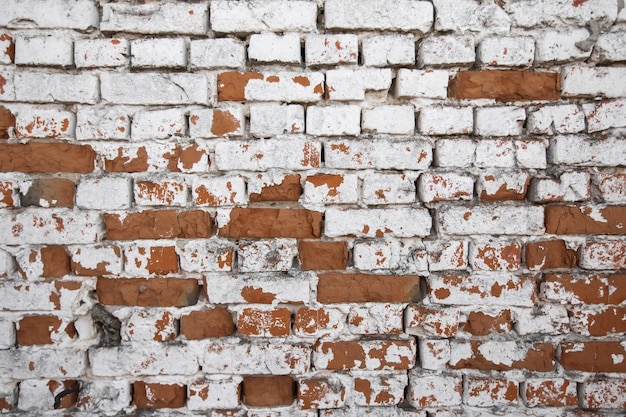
x,y
435,391
107,397
36,363
476,289
446,255
445,186
51,226
351,84
422,83
559,46
495,153
610,47
286,86
396,222
377,154
209,394
455,152
104,193
610,151
213,123
44,87
386,50
399,15
147,325
44,123
331,49
611,186
499,121
388,189
44,50
495,186
603,393
376,319
530,14
217,53
439,120
50,14
158,53
7,330
333,120
6,46
329,188
490,220
603,254
296,154
259,359
158,124
219,191
577,81
101,53
131,360
495,255
481,18
154,88
160,192
605,115
376,255
99,259
102,123
206,256
266,255
43,295
35,396
274,119
447,50
390,119
548,120
270,47
187,18
263,16
7,264
570,186
434,353
7,92
507,51
227,289
530,154
543,319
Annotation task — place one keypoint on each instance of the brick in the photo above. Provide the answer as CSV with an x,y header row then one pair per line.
x,y
104,193
41,296
180,18
261,222
40,395
435,391
158,124
376,255
109,123
345,84
359,288
51,226
153,292
549,254
446,50
157,224
421,83
555,46
315,255
609,48
51,14
155,325
131,360
601,152
8,397
602,321
149,260
553,392
484,289
274,186
390,119
344,120
202,324
7,123
605,115
257,288
585,289
469,16
611,186
47,261
402,16
268,391
154,89
480,392
206,256
496,153
528,15
45,124
607,254
266,255
504,85
158,53
101,53
371,355
580,81
437,120
259,16
597,356
9,195
544,319
386,50
396,222
455,153
264,322
502,356
587,219
503,186
499,121
37,363
223,394
388,189
331,189
287,86
271,47
384,319
530,154
377,154
318,322
164,192
487,322
445,186
7,49
506,51
44,330
434,354
548,120
274,119
96,260
321,393
604,393
497,255
331,49
257,359
44,50
218,191
156,395
379,390
446,255
485,220
217,53
43,87
7,82
104,396
293,154
427,321
7,264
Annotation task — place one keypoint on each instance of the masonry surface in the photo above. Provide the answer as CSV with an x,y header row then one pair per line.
x,y
313,208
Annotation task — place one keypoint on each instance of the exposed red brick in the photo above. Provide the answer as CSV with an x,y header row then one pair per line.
x,y
215,322
610,320
605,393
361,288
7,122
593,356
56,261
38,330
256,322
224,122
7,197
50,192
497,257
288,190
153,395
592,289
533,357
57,387
195,224
268,222
585,220
320,393
505,85
231,85
158,224
550,254
268,391
153,292
320,256
38,157
431,321
483,392
311,320
555,392
481,324
371,355
122,163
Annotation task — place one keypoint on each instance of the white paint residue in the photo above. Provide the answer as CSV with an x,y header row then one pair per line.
x,y
594,212
617,359
505,353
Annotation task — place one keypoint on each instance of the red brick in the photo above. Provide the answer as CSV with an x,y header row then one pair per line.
x,y
372,355
496,256
505,85
231,85
158,224
482,392
50,192
320,393
195,224
604,393
40,157
38,330
591,289
268,222
320,256
257,322
10,50
311,321
151,260
503,356
593,356
554,392
215,322
153,292
57,387
610,320
549,254
268,391
423,320
362,288
585,220
480,323
8,194
7,122
288,190
56,261
379,390
154,395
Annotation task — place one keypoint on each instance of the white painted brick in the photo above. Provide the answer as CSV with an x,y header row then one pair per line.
x,y
295,153
435,391
559,46
155,18
445,186
213,123
377,154
351,84
447,50
259,359
376,319
542,319
131,360
481,18
499,121
206,256
388,189
7,92
530,14
390,119
41,226
217,53
38,395
548,120
495,255
603,254
7,330
611,186
158,53
158,124
227,289
266,255
219,191
434,354
37,363
331,49
270,47
386,50
455,152
530,154
376,255
107,397
263,16
44,87
286,86
495,153
211,394
102,123
490,220
439,120
421,83
384,390
96,257
342,120
329,188
404,354
610,47
7,264
101,53
160,192
577,81
36,296
147,325
272,119
154,88
446,255
104,193
605,115
498,185
29,263
507,51
399,15
608,152
50,14
396,222
6,45
476,289
570,186
44,50
603,393
44,123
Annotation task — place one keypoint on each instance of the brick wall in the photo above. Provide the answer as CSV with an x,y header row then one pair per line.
x,y
313,208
